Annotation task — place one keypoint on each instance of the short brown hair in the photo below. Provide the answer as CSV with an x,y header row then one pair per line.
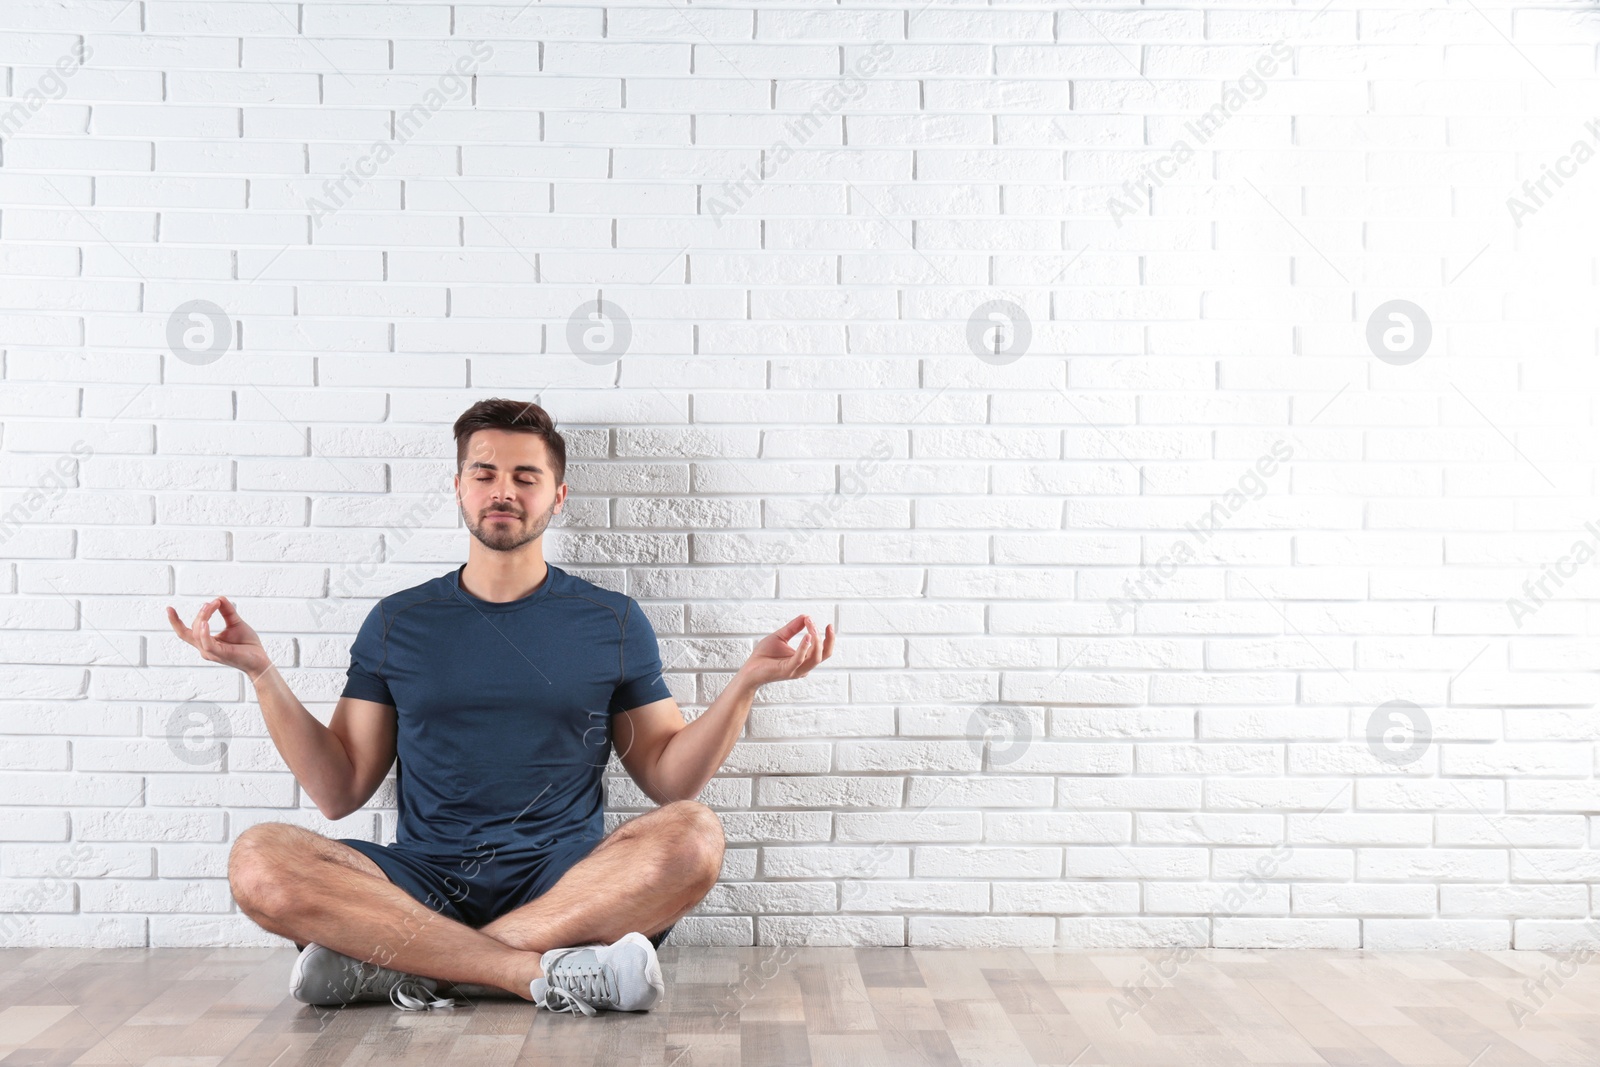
x,y
523,416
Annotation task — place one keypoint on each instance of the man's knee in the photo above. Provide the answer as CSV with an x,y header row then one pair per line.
x,y
698,838
260,867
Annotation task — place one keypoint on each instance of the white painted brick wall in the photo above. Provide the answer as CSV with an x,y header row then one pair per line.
x,y
1176,711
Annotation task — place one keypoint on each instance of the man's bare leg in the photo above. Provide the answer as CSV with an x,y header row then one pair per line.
x,y
303,886
644,876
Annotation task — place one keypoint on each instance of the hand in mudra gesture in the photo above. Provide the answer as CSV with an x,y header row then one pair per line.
x,y
237,645
775,660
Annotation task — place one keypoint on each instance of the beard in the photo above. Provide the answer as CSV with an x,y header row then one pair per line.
x,y
508,536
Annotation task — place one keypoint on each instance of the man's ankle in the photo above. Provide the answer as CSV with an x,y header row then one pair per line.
x,y
518,979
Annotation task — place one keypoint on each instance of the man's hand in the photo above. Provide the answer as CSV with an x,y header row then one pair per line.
x,y
673,760
773,660
237,645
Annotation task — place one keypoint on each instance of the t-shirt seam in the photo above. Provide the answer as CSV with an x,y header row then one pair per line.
x,y
502,607
622,635
388,624
621,620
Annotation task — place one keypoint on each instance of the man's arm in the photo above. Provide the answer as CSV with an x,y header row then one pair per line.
x,y
673,760
339,765
333,764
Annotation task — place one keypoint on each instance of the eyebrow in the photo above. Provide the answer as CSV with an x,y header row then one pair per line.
x,y
532,468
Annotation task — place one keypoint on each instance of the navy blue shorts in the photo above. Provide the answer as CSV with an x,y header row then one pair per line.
x,y
482,885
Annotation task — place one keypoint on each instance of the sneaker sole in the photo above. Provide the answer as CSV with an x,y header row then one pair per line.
x,y
298,977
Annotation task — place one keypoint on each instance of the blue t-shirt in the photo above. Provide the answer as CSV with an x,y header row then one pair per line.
x,y
504,709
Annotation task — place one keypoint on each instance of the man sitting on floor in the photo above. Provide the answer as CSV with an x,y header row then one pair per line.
x,y
501,687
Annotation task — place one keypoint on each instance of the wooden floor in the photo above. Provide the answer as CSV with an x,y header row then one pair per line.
x,y
852,1007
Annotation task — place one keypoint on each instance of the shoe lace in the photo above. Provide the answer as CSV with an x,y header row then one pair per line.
x,y
409,994
581,987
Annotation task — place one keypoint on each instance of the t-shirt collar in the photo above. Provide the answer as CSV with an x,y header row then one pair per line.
x,y
509,605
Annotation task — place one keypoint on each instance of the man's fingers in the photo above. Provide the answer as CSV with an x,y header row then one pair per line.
x,y
805,657
202,623
177,626
814,647
801,661
202,628
816,644
790,628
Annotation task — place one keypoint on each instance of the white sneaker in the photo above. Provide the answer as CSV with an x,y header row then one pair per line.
x,y
625,976
323,976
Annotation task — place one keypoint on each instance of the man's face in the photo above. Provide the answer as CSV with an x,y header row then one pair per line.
x,y
507,488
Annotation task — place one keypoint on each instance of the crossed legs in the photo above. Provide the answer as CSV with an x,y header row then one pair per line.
x,y
643,876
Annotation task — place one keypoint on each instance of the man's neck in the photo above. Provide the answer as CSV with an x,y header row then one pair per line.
x,y
499,577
